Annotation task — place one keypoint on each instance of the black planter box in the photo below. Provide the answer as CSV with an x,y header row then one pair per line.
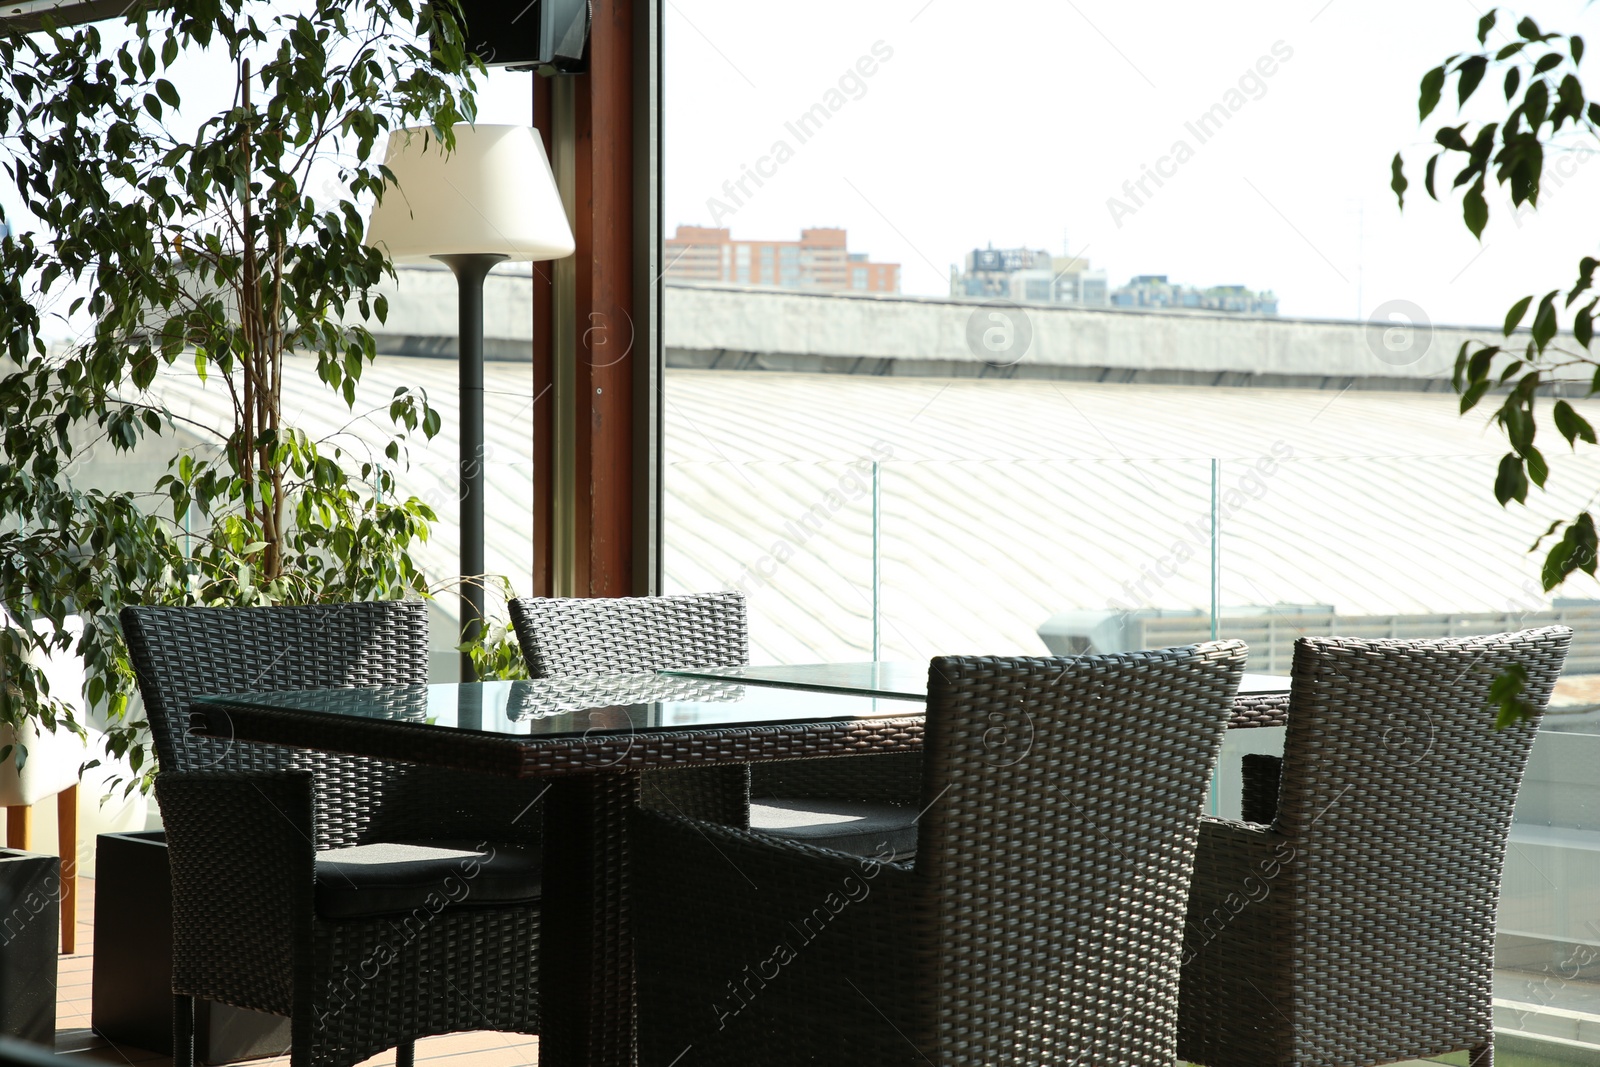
x,y
30,922
132,992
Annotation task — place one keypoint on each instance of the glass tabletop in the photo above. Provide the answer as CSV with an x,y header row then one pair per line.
x,y
567,708
885,678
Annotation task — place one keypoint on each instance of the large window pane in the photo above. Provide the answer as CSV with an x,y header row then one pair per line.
x,y
1054,328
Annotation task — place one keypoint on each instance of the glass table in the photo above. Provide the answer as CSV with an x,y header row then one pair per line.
x,y
1262,702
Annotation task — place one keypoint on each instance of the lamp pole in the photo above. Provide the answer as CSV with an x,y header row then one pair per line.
x,y
470,271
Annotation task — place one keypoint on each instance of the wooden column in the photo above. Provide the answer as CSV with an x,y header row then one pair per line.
x,y
596,348
543,384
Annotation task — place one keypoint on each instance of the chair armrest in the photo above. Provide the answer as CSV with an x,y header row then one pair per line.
x,y
745,939
243,863
1235,990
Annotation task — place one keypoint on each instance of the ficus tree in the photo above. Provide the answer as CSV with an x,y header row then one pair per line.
x,y
220,232
1544,113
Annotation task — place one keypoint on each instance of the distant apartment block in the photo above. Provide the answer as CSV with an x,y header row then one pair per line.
x,y
1029,276
1154,291
819,261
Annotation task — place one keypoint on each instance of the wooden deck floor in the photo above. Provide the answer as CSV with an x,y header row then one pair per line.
x,y
75,1041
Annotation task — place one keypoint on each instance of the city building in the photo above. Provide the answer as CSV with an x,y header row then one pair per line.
x,y
819,261
1029,276
1155,291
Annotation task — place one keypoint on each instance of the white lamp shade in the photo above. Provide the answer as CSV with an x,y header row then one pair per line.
x,y
495,193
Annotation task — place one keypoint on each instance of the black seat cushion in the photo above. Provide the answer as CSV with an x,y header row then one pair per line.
x,y
881,830
390,878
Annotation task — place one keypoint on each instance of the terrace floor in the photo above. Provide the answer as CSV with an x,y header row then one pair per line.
x,y
77,1043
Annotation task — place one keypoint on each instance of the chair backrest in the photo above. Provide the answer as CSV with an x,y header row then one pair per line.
x,y
1396,798
565,637
180,653
1062,804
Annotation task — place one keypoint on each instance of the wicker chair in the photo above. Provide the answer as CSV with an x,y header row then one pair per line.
x,y
853,804
323,887
1040,922
1358,927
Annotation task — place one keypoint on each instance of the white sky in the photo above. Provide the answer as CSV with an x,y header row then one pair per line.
x,y
1013,122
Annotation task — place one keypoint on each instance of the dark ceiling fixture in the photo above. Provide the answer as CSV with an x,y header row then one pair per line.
x,y
549,36
27,16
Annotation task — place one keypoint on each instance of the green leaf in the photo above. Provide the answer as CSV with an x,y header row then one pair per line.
x,y
1468,74
1513,79
1397,181
1485,24
1428,96
1529,29
1572,425
1538,469
1584,557
167,91
1428,177
1544,321
1478,365
1475,210
1507,699
1586,268
1474,393
1549,61
1552,528
1514,316
1511,483
1583,326
1576,551
1577,49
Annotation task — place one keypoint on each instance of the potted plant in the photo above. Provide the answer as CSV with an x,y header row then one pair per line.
x,y
221,237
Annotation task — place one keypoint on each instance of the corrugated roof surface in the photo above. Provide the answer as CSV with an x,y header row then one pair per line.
x,y
1004,502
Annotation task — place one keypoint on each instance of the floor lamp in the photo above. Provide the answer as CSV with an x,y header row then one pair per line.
x,y
491,200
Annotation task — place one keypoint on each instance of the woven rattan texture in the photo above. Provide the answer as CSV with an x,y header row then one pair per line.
x,y
1359,927
1260,775
577,636
243,818
1260,709
591,935
565,637
1039,925
559,757
181,653
237,945
460,968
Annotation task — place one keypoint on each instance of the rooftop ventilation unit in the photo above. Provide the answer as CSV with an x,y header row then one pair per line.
x,y
1080,633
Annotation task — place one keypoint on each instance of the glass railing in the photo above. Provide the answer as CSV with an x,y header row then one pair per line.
x,y
903,559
